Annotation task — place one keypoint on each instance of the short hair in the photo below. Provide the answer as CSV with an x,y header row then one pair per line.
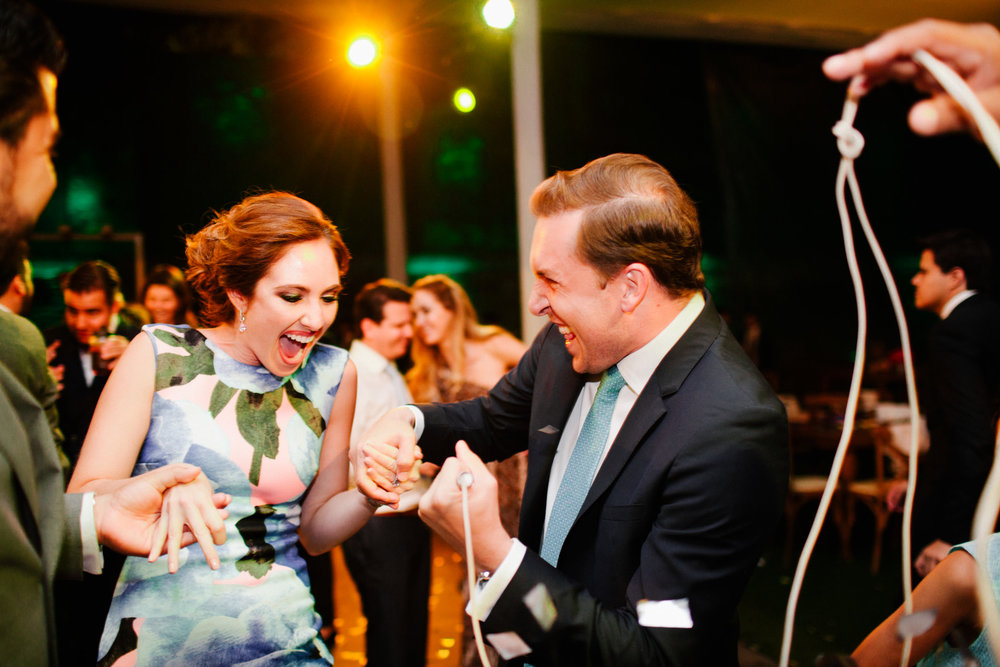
x,y
963,249
13,263
237,248
633,211
28,42
91,276
173,278
370,302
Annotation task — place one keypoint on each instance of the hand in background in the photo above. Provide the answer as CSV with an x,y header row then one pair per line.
x,y
933,553
972,50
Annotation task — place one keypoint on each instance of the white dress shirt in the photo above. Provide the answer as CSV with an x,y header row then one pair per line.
x,y
955,300
381,388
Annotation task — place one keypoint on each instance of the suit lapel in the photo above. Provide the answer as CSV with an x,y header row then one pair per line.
x,y
557,388
653,403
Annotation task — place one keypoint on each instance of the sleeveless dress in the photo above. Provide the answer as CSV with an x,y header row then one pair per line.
x,y
946,655
257,437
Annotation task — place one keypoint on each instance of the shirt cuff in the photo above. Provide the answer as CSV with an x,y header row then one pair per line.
x,y
93,558
488,592
418,420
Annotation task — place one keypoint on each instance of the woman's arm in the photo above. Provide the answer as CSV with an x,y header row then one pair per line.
x,y
120,422
950,589
331,512
112,447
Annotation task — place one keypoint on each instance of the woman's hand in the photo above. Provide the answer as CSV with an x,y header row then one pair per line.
x,y
381,465
189,510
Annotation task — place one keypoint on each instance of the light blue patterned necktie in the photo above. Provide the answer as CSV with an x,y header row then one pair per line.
x,y
582,464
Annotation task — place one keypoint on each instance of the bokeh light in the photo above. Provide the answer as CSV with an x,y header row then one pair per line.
x,y
464,100
362,52
498,14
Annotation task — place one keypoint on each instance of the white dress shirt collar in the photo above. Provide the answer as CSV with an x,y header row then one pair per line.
x,y
363,354
638,366
955,300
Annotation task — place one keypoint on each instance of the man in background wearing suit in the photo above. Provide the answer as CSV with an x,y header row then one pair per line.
x,y
86,347
961,390
657,453
45,533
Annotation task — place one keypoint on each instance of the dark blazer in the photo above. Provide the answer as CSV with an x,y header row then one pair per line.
x,y
40,529
22,351
77,401
961,397
684,504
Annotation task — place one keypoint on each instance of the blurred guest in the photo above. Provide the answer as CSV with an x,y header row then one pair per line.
x,y
22,347
15,280
390,557
972,50
86,348
456,358
167,298
946,623
961,391
44,533
266,411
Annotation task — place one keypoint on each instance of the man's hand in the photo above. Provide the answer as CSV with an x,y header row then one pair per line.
x,y
895,497
395,430
933,553
127,517
441,508
112,349
972,50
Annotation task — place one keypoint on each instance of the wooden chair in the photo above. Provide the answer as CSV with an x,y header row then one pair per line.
x,y
872,492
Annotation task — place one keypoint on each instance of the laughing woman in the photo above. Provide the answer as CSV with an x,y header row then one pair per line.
x,y
265,411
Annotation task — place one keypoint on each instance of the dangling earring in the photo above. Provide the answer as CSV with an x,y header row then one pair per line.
x,y
243,322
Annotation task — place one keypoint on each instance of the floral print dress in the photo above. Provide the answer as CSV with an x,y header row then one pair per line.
x,y
257,437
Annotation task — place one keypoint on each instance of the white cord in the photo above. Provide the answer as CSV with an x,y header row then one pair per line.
x,y
955,86
464,481
850,142
984,520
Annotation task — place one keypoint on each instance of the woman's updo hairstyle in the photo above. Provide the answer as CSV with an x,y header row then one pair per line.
x,y
236,249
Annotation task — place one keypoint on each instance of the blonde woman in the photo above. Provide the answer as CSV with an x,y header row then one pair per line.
x,y
456,358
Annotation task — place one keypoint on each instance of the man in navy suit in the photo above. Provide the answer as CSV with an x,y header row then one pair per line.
x,y
960,392
694,464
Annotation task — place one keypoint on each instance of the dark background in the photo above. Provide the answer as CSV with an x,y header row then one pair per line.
x,y
167,117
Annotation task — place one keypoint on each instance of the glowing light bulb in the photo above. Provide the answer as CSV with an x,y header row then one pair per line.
x,y
464,100
498,14
362,52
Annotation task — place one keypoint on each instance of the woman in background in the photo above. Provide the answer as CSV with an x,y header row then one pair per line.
x,y
456,358
167,298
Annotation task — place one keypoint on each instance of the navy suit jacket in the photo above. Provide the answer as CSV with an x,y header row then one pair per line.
x,y
681,509
962,395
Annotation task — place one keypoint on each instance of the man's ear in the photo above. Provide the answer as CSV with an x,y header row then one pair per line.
x,y
239,301
366,325
636,279
957,278
19,286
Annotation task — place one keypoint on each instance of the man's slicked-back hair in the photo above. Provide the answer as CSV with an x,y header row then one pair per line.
x,y
963,249
633,211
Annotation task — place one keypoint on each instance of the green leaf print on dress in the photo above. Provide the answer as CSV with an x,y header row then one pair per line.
x,y
260,554
256,417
